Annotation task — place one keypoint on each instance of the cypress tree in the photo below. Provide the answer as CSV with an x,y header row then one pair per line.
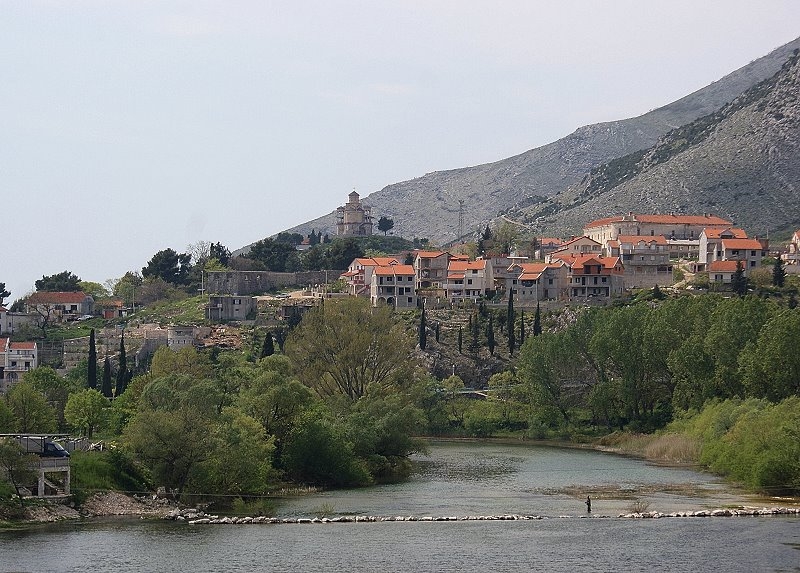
x,y
423,335
738,280
474,342
91,378
510,322
122,373
537,322
105,389
490,335
436,331
521,327
268,348
460,339
778,273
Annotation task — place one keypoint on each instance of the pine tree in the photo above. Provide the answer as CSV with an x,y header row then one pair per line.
x,y
537,321
105,389
423,335
91,378
490,335
460,339
778,273
268,348
122,373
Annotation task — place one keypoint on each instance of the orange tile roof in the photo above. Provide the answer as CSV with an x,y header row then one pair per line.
x,y
722,266
699,220
658,239
608,263
741,244
429,254
3,344
458,265
390,270
575,240
22,346
45,297
717,233
550,241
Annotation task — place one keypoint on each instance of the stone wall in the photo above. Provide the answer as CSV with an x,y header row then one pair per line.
x,y
259,282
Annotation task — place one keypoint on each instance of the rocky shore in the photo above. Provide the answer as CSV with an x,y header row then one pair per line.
x,y
198,517
101,504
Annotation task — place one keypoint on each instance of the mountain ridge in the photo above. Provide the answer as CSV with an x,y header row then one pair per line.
x,y
428,206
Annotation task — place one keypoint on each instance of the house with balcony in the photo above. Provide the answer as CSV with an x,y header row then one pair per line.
x,y
359,273
646,259
721,272
532,282
16,358
594,277
577,246
430,269
469,280
710,244
792,254
393,285
59,306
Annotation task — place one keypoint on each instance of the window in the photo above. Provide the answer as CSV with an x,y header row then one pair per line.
x,y
409,300
752,264
469,281
752,253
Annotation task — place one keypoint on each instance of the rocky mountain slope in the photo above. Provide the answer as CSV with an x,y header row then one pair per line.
x,y
428,206
741,162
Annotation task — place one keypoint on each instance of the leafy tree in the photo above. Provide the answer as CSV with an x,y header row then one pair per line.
x,y
4,294
771,366
55,388
122,372
187,361
385,224
346,347
95,290
84,410
169,266
126,287
341,253
30,408
62,282
221,253
423,331
537,321
8,422
778,274
268,348
91,374
105,388
271,253
18,467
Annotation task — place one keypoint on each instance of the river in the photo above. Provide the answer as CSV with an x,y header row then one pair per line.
x,y
457,479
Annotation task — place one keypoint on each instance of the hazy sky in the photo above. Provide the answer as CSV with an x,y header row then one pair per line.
x,y
127,127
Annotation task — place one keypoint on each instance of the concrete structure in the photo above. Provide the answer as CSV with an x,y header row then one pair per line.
x,y
353,218
670,226
792,256
595,277
47,465
16,358
226,307
430,268
721,272
11,322
359,273
393,285
181,336
259,282
575,247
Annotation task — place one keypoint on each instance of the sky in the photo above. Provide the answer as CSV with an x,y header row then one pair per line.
x,y
132,126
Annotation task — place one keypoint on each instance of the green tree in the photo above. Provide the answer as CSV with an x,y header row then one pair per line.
x,y
91,374
521,327
54,387
18,467
122,372
345,347
8,422
436,331
739,280
62,282
460,340
169,266
31,411
385,224
4,294
84,410
771,366
268,348
778,274
341,253
537,321
221,253
423,330
490,335
105,388
510,316
271,253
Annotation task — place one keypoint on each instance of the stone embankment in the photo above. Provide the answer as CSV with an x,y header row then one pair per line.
x,y
198,517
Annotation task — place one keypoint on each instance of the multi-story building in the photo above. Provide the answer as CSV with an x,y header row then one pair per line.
x,y
576,246
670,226
16,358
59,306
538,281
353,218
430,268
393,285
595,277
359,273
646,259
469,280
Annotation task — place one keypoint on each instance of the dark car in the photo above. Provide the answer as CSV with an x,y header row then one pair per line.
x,y
54,450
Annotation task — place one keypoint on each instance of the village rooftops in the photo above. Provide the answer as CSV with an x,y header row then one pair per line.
x,y
391,270
743,244
729,232
47,297
722,266
694,220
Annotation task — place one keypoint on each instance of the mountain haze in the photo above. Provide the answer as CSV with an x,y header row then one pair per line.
x,y
428,206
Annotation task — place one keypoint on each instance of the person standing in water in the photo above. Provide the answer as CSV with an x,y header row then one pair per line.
x,y
588,504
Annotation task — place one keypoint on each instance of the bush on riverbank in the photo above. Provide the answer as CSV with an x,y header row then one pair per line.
x,y
109,470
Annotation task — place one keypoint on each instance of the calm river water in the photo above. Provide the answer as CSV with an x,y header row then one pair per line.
x,y
457,479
